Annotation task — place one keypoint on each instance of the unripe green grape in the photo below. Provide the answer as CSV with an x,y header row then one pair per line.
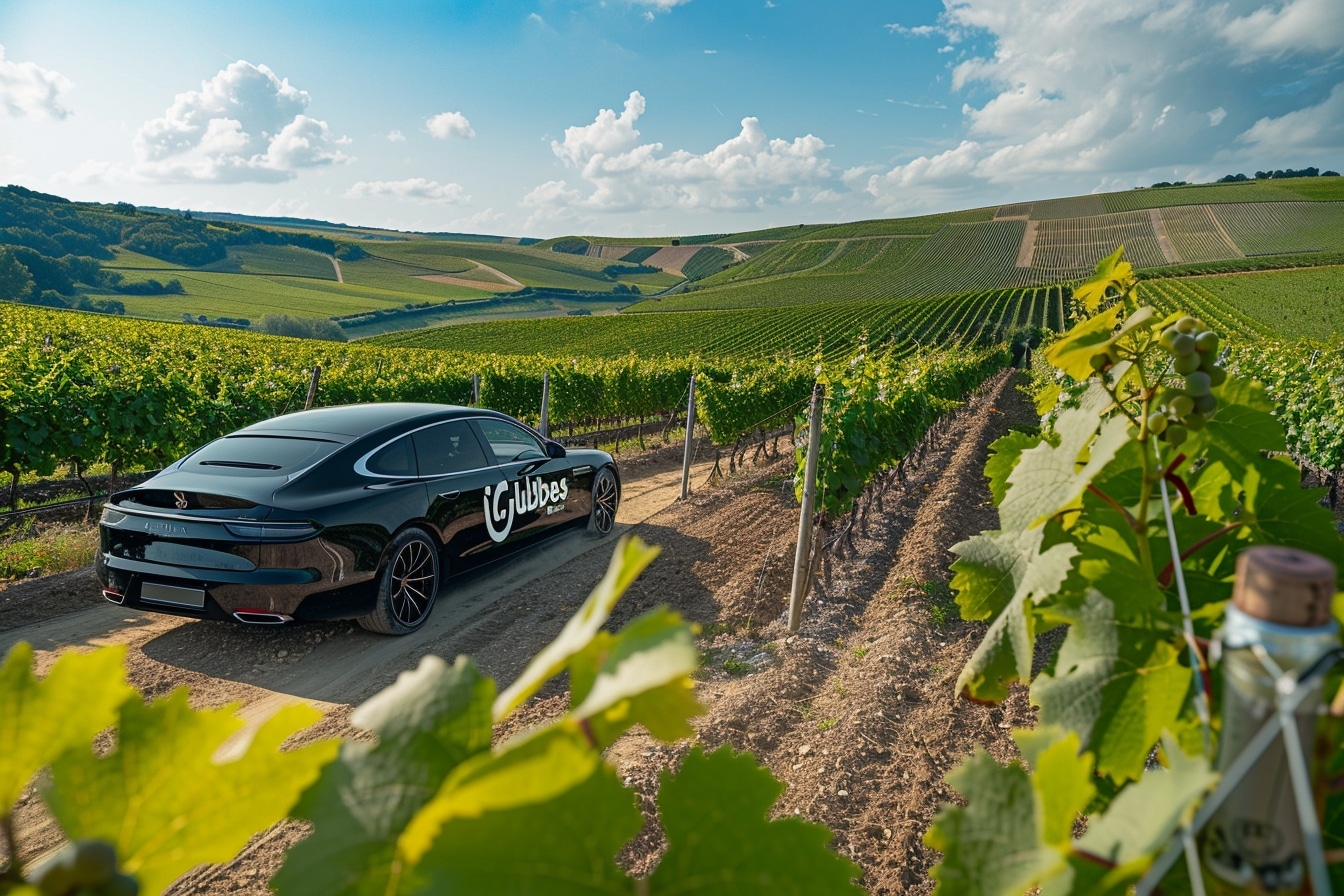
x,y
1206,342
1205,404
1182,345
1176,434
1195,422
1199,325
1187,324
1197,383
1168,338
1181,405
1186,363
1157,422
1217,376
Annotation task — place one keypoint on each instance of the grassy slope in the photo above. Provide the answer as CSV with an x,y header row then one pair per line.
x,y
856,262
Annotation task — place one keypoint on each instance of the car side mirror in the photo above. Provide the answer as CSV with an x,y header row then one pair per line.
x,y
555,450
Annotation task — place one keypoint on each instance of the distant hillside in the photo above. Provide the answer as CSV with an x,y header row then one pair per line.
x,y
237,269
347,231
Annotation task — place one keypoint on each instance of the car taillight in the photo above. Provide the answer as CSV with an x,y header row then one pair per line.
x,y
272,531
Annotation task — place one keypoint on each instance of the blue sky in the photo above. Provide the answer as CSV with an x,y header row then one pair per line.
x,y
655,117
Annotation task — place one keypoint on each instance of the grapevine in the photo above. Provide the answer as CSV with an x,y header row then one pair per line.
x,y
1140,406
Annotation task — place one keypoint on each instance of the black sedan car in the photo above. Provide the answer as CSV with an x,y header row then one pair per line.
x,y
354,512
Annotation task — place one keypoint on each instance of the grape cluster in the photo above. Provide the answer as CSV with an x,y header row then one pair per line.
x,y
1193,350
85,867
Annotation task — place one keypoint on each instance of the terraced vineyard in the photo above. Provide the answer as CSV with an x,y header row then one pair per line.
x,y
1071,207
1196,235
1192,295
1272,228
1068,248
794,331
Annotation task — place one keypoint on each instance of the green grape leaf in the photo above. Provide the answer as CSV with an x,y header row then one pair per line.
x,y
1278,511
563,846
993,846
1062,778
1118,685
1002,573
1003,456
632,555
162,800
1112,272
428,722
528,770
1108,560
41,718
1072,352
640,675
988,568
720,841
1048,478
1142,819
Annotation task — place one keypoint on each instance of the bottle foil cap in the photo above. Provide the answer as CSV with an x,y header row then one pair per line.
x,y
1285,586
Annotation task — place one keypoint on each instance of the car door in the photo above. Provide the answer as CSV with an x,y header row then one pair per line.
x,y
456,472
532,492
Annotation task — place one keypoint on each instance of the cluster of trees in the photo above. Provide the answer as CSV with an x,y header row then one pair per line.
x,y
301,327
1278,174
150,287
236,323
52,249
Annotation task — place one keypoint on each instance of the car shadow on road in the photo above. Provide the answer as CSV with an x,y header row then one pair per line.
x,y
501,615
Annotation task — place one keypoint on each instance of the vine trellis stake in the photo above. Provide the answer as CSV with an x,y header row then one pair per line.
x,y
802,561
690,432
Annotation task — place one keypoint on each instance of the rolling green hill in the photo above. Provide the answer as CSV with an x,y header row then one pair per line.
x,y
969,274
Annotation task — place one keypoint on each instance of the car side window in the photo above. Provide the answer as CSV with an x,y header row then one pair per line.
x,y
395,459
448,448
509,442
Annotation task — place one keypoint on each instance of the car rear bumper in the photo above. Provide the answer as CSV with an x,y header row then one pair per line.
x,y
204,574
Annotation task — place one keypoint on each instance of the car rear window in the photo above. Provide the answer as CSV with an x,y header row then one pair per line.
x,y
262,454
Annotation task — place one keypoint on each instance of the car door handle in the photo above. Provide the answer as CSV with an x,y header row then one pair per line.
x,y
449,496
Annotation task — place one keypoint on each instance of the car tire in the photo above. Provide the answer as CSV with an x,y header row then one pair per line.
x,y
606,498
407,585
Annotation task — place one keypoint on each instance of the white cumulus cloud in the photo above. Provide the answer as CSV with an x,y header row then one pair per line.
x,y
1059,97
28,89
1317,128
618,172
244,124
450,124
416,189
1296,26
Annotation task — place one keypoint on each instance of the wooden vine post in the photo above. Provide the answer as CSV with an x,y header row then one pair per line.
x,y
475,390
546,404
802,560
690,430
312,387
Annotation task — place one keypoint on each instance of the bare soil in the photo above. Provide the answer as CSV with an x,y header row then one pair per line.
x,y
855,712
